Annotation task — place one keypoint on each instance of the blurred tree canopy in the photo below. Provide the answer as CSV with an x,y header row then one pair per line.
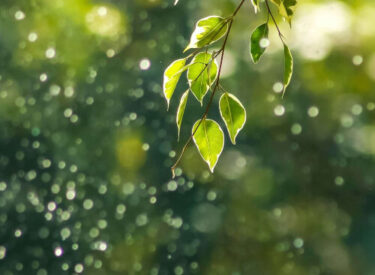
x,y
86,143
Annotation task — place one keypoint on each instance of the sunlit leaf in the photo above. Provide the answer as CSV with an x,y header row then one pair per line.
x,y
176,2
286,8
233,113
171,77
255,4
181,111
207,31
201,74
259,42
209,139
288,67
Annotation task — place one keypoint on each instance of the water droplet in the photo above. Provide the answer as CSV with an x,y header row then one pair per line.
x,y
88,204
43,77
357,60
339,181
51,206
296,129
50,53
278,87
78,268
172,185
141,220
32,37
313,111
264,42
145,64
357,109
18,233
279,110
58,251
19,15
298,243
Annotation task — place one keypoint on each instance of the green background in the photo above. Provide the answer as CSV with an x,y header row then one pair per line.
x,y
86,143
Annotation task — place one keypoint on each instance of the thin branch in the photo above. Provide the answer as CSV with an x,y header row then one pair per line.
x,y
217,83
274,21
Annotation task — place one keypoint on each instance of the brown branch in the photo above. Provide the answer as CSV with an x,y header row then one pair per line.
x,y
274,21
217,83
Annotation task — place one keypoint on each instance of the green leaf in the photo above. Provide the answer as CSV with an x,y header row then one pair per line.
x,y
176,2
181,111
286,8
233,113
259,40
201,74
255,4
209,139
207,31
171,77
288,67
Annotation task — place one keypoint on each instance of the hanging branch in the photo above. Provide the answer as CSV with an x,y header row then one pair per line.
x,y
204,74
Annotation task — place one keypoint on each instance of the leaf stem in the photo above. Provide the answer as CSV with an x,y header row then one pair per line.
x,y
217,83
274,21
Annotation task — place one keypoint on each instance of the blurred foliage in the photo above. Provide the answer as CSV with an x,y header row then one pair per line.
x,y
86,144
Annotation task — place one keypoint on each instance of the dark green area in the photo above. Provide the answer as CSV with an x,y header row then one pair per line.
x,y
86,144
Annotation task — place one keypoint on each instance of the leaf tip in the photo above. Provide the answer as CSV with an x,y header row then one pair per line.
x,y
187,48
173,173
212,167
167,104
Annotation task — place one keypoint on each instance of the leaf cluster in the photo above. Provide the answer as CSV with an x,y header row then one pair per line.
x,y
203,74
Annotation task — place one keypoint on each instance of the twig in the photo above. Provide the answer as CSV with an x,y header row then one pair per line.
x,y
217,83
274,21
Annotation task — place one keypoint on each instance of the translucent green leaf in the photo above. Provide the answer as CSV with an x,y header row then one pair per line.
x,y
201,74
286,8
233,113
288,67
207,31
171,77
259,42
181,111
255,4
209,139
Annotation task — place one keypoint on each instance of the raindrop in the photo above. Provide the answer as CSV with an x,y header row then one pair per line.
x,y
51,206
313,111
145,64
296,129
43,77
357,60
357,109
58,251
172,185
278,87
279,110
264,42
18,233
141,220
78,268
50,53
19,15
339,181
298,243
88,204
32,37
